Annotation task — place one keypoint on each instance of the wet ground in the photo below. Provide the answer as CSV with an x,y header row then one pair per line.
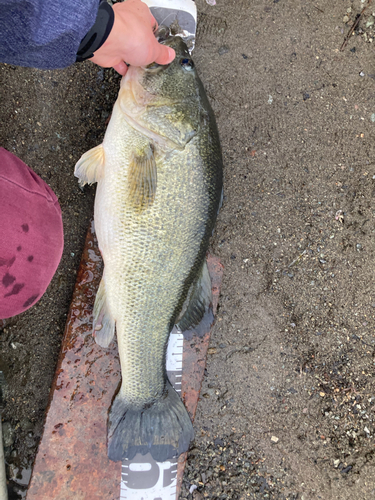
x,y
288,400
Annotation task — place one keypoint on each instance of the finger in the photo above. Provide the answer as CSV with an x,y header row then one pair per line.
x,y
121,68
166,55
154,23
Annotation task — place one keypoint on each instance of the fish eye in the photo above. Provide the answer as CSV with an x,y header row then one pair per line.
x,y
187,63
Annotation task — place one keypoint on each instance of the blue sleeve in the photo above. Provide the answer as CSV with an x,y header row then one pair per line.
x,y
44,34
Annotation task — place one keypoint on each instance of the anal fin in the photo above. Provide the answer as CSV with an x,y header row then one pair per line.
x,y
103,323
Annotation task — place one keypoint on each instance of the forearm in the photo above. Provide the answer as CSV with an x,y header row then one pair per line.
x,y
43,34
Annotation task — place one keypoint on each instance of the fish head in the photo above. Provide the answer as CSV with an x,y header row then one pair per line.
x,y
163,101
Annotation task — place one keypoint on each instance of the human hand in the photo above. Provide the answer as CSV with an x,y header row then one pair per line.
x,y
132,39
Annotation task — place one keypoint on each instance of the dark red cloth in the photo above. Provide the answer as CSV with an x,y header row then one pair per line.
x,y
31,235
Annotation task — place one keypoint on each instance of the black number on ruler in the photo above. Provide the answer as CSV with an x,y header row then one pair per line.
x,y
148,474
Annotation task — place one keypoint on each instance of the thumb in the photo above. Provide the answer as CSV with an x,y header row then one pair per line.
x,y
165,56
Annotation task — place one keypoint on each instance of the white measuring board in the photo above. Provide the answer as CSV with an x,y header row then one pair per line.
x,y
180,13
142,478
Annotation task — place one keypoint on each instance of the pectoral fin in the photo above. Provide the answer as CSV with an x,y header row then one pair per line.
x,y
142,178
197,312
103,323
89,167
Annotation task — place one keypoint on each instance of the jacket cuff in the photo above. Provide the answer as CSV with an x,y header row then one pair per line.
x,y
98,34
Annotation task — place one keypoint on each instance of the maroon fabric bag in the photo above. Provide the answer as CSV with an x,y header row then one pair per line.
x,y
31,235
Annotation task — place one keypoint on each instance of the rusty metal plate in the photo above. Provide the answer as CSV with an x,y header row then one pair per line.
x,y
72,462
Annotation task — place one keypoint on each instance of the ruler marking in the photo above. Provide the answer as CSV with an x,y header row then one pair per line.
x,y
174,370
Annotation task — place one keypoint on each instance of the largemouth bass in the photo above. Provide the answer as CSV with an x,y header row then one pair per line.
x,y
159,175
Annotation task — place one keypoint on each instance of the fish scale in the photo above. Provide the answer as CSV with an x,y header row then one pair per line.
x,y
160,243
146,312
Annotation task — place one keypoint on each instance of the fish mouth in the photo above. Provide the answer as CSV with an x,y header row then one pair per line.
x,y
134,101
162,33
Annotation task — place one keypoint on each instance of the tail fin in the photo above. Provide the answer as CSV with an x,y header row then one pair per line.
x,y
163,428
